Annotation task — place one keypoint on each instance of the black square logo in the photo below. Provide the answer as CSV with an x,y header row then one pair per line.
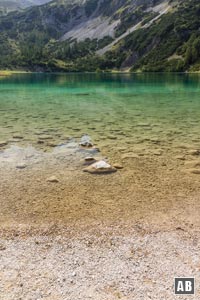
x,y
184,286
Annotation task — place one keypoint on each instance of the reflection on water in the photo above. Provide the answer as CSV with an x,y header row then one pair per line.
x,y
46,109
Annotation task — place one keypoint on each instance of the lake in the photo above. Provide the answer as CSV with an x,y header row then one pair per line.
x,y
115,110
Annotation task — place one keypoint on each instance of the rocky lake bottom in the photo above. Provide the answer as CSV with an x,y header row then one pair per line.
x,y
69,230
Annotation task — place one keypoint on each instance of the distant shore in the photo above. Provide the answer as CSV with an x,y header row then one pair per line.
x,y
4,73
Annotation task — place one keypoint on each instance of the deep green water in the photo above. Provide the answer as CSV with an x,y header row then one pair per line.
x,y
117,109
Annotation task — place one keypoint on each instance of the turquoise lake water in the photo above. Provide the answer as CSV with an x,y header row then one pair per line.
x,y
39,109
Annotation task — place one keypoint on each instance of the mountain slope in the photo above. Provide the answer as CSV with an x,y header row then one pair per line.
x,y
7,6
160,9
85,35
170,44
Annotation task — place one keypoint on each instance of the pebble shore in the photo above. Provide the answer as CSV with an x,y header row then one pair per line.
x,y
102,263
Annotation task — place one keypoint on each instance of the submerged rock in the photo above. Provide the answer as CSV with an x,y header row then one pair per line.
x,y
194,152
118,166
17,136
129,155
40,142
52,144
157,152
112,137
2,247
100,167
45,137
143,125
52,179
89,160
194,171
3,143
180,157
86,141
21,166
192,164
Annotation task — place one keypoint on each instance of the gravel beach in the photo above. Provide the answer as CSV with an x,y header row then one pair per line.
x,y
119,262
69,235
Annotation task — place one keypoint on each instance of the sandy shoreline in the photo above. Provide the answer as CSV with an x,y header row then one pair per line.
x,y
154,188
118,262
118,236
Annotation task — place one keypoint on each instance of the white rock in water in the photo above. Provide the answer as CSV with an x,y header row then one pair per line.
x,y
100,167
86,141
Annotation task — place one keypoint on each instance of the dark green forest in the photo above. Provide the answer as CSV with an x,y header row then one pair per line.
x,y
172,43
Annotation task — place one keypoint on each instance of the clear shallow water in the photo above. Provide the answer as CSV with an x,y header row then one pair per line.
x,y
145,109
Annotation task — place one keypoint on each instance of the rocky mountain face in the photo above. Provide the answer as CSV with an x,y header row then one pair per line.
x,y
7,6
77,35
97,19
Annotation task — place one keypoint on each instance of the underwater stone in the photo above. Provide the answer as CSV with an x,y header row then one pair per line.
x,y
118,166
194,171
16,136
45,137
194,152
89,158
86,141
180,157
52,179
192,164
129,155
3,143
112,137
40,142
21,166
